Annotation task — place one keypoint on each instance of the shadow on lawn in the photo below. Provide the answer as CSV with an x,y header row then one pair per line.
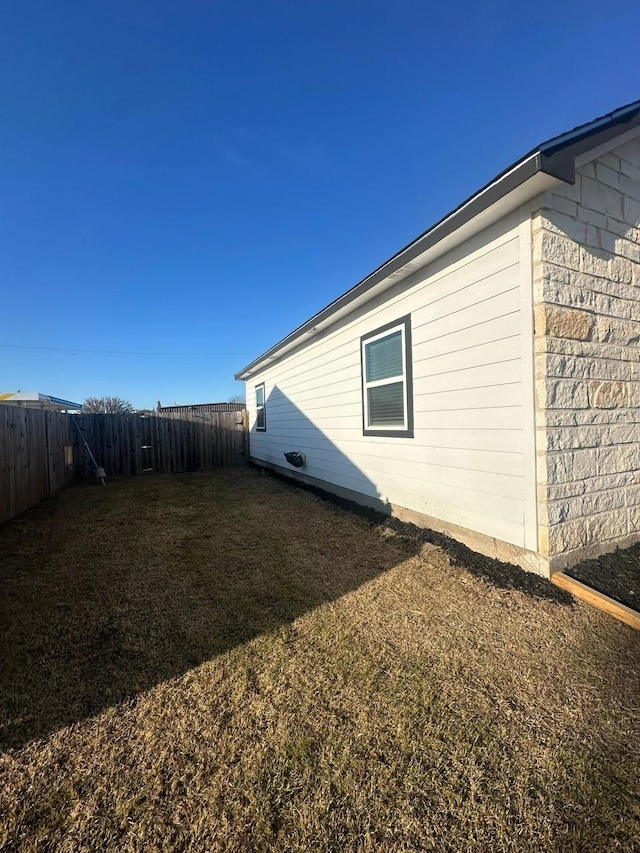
x,y
109,592
495,572
293,427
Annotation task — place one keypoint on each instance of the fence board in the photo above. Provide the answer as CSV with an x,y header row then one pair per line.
x,y
41,452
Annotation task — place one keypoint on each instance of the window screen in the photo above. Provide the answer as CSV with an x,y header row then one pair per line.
x,y
261,411
386,380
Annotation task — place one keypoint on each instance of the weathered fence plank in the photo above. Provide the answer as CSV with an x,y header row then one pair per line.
x,y
41,452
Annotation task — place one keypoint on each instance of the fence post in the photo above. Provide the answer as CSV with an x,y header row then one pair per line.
x,y
245,430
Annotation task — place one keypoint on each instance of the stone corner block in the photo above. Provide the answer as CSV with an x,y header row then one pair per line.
x,y
609,395
558,322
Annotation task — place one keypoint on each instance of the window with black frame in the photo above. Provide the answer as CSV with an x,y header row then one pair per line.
x,y
261,408
387,381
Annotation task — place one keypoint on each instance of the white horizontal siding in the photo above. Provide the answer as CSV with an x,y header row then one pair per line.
x,y
467,463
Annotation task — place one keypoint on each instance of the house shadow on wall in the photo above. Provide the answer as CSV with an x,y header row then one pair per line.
x,y
110,592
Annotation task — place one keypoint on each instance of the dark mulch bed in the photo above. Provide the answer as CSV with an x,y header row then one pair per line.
x,y
616,575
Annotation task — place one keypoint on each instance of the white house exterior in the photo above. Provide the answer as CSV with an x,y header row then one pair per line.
x,y
485,381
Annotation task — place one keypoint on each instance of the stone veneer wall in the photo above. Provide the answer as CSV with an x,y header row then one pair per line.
x,y
586,279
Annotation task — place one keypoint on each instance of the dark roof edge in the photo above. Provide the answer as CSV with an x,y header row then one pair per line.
x,y
605,127
555,157
67,403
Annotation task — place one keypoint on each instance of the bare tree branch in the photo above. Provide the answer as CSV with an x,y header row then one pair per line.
x,y
108,406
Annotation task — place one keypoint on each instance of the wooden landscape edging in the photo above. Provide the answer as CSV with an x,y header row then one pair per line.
x,y
597,599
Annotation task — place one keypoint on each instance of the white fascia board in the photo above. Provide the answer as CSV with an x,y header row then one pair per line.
x,y
539,183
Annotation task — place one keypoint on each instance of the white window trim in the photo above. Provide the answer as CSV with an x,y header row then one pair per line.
x,y
263,407
406,428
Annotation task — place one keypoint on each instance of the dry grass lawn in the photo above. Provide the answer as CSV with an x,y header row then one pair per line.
x,y
223,662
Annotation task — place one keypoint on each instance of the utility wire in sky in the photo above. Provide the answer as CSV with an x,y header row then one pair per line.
x,y
75,351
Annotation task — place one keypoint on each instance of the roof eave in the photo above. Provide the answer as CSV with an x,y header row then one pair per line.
x,y
557,167
555,158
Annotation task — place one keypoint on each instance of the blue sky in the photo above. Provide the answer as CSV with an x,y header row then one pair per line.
x,y
185,182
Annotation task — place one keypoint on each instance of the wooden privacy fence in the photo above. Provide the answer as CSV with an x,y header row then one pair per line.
x,y
36,457
167,444
41,452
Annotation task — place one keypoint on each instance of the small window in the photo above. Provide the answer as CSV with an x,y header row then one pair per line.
x,y
387,390
261,410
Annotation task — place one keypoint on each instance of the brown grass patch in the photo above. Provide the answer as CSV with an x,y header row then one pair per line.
x,y
221,662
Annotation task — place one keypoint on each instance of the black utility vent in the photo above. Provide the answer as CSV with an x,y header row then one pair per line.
x,y
295,458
